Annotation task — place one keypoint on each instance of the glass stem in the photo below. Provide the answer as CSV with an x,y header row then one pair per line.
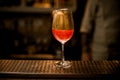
x,y
63,59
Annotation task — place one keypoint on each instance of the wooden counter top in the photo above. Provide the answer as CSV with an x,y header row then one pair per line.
x,y
45,69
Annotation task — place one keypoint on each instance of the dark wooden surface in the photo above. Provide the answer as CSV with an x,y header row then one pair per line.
x,y
45,69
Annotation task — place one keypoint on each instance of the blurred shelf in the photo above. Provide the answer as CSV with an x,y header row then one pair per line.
x,y
29,9
32,9
26,9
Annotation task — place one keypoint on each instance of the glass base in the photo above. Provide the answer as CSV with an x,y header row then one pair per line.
x,y
65,64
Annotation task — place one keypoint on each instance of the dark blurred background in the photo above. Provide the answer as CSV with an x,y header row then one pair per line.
x,y
25,29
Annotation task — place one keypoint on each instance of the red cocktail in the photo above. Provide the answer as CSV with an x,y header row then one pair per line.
x,y
62,29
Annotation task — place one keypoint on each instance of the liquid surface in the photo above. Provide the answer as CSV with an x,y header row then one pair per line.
x,y
63,35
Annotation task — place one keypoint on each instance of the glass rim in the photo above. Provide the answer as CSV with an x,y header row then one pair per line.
x,y
62,9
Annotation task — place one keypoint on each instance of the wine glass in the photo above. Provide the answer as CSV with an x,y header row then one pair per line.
x,y
62,29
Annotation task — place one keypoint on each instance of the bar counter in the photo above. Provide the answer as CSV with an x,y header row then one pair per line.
x,y
45,69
